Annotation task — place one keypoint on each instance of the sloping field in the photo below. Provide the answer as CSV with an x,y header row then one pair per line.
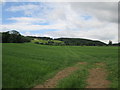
x,y
28,65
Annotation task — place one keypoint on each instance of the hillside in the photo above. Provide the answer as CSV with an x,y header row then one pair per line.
x,y
81,42
67,41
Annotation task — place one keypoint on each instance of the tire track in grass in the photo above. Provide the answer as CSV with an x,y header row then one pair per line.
x,y
97,77
51,83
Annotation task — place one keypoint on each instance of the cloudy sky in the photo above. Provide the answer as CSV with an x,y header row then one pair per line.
x,y
91,20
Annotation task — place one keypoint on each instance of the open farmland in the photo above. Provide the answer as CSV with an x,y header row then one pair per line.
x,y
27,65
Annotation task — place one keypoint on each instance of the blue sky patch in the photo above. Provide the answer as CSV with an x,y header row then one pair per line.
x,y
87,17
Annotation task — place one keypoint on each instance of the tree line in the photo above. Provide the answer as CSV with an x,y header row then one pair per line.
x,y
14,37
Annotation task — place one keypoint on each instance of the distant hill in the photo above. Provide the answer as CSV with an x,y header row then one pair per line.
x,y
116,44
43,38
15,37
81,42
70,41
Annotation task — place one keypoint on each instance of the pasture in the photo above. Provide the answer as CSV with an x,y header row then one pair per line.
x,y
27,65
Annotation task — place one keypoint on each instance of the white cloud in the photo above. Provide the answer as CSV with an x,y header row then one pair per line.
x,y
22,8
27,20
25,27
27,9
61,0
68,19
104,11
104,34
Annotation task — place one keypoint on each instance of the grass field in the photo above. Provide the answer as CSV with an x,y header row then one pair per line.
x,y
26,65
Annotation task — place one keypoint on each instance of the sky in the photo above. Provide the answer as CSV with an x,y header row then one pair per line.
x,y
90,20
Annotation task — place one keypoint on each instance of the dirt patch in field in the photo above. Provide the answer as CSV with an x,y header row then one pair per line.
x,y
82,63
100,64
51,83
97,77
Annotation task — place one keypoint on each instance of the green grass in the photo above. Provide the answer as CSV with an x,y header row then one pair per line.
x,y
39,40
76,80
45,41
0,65
28,64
